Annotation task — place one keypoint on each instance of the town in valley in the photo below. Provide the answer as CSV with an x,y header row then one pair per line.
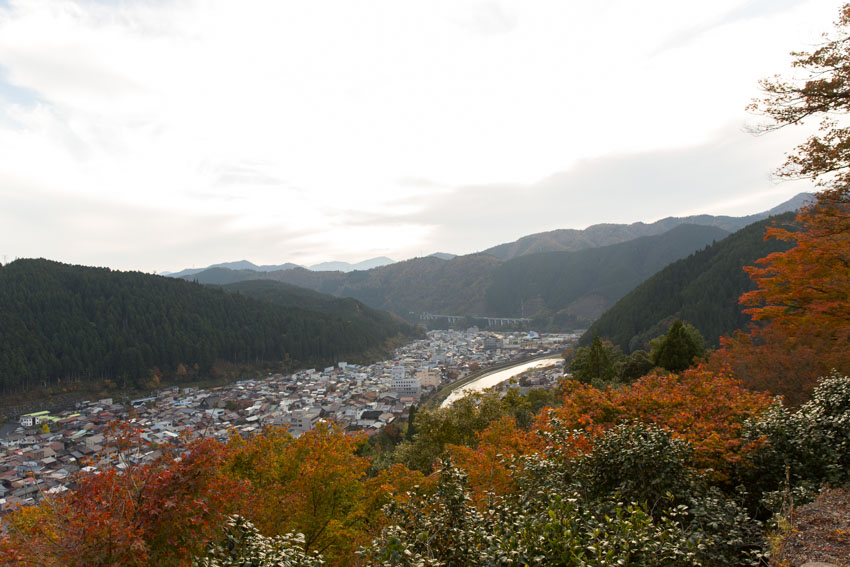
x,y
41,456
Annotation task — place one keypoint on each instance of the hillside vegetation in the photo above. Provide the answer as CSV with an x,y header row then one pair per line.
x,y
702,289
378,325
696,467
64,325
585,283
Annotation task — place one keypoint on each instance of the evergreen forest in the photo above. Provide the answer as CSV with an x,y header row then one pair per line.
x,y
62,325
702,289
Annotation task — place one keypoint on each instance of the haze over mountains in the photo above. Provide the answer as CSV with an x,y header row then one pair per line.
x,y
604,234
551,241
564,279
322,267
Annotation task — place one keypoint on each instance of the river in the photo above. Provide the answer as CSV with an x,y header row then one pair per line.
x,y
498,376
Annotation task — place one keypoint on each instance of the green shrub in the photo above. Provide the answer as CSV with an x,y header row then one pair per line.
x,y
800,450
636,463
244,546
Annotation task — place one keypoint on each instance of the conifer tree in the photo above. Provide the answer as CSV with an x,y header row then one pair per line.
x,y
679,348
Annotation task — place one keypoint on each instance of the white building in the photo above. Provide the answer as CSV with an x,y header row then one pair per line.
x,y
403,385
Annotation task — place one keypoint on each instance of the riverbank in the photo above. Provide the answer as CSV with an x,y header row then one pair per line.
x,y
440,397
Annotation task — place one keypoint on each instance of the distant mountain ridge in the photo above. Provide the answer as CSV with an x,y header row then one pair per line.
x,y
322,267
238,265
347,267
561,288
563,240
568,286
605,234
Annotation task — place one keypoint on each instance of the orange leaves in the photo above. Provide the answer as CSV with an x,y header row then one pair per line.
x,y
160,513
801,307
802,304
313,485
702,407
487,464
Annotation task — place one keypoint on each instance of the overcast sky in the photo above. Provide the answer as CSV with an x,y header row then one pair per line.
x,y
156,135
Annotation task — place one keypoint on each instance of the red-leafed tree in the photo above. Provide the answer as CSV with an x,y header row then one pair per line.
x,y
161,513
487,464
801,309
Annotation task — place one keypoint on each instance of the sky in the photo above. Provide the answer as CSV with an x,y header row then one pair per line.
x,y
160,135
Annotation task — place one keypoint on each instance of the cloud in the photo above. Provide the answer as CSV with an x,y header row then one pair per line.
x,y
309,131
728,174
488,18
88,231
733,14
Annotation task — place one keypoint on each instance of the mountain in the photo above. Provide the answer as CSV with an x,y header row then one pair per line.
x,y
580,286
66,325
383,324
564,240
573,287
792,205
239,265
702,289
346,267
323,267
605,234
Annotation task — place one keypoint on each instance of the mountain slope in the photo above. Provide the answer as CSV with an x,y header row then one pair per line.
x,y
606,234
239,265
702,289
63,324
382,325
582,284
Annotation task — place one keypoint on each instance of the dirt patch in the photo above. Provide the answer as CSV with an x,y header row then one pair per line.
x,y
820,531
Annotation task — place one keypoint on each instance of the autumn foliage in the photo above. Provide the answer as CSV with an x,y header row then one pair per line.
x,y
487,464
161,513
801,308
313,484
704,408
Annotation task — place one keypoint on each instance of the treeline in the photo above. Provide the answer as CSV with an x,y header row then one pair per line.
x,y
63,324
702,289
375,325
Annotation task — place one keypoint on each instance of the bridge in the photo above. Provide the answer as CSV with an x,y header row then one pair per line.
x,y
491,321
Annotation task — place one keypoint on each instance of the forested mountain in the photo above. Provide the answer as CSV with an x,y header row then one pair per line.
x,y
583,284
63,323
572,287
606,234
421,284
702,289
381,324
239,265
